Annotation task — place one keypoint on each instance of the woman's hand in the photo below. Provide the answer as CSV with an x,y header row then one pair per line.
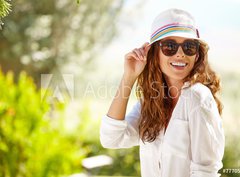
x,y
135,61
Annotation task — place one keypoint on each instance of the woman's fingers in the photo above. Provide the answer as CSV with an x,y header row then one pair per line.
x,y
139,53
131,55
146,47
142,53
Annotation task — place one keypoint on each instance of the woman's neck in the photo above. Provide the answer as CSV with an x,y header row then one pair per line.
x,y
174,89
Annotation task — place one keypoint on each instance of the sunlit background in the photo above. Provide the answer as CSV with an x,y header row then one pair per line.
x,y
61,63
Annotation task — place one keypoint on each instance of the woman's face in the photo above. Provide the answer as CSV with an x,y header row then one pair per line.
x,y
178,66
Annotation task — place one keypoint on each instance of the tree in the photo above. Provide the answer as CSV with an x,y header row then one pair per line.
x,y
33,142
42,36
4,10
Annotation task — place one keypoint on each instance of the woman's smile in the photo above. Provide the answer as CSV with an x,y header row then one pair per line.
x,y
179,65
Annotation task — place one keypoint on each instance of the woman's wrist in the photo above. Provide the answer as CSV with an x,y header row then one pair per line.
x,y
129,79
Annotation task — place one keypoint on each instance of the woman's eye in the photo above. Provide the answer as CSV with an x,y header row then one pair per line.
x,y
189,46
170,46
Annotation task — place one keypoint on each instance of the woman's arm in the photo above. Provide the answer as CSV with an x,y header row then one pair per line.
x,y
118,130
121,133
207,139
118,107
134,64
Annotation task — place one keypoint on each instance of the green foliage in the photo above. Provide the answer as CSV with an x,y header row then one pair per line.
x,y
43,36
35,141
5,8
126,162
231,157
231,93
231,99
31,139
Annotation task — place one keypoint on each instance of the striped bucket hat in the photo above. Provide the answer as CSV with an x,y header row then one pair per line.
x,y
174,22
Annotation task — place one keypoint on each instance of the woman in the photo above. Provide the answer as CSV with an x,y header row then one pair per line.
x,y
176,121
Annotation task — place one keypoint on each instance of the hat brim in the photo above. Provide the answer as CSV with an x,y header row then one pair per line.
x,y
179,34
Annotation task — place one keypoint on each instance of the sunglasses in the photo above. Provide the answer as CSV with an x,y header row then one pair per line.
x,y
170,47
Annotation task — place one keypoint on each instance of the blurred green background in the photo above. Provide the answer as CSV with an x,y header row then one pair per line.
x,y
61,62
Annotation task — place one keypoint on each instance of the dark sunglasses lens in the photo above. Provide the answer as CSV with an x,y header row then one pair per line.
x,y
190,48
169,48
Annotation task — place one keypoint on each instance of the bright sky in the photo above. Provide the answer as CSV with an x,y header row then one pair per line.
x,y
218,22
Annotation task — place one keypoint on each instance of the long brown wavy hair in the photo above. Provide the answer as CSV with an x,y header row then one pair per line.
x,y
156,113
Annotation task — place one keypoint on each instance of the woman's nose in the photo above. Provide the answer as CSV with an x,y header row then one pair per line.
x,y
180,53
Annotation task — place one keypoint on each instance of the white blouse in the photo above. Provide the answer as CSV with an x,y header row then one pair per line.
x,y
192,146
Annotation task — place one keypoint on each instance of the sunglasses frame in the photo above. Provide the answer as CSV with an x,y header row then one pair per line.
x,y
197,43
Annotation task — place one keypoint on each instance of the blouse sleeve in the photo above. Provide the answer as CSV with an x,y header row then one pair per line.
x,y
207,139
121,133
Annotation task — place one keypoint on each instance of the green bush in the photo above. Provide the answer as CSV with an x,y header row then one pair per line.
x,y
231,99
231,160
31,140
34,140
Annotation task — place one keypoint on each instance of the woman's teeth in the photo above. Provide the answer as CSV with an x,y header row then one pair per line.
x,y
178,64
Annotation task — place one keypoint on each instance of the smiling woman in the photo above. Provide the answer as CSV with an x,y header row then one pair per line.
x,y
177,62
176,121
